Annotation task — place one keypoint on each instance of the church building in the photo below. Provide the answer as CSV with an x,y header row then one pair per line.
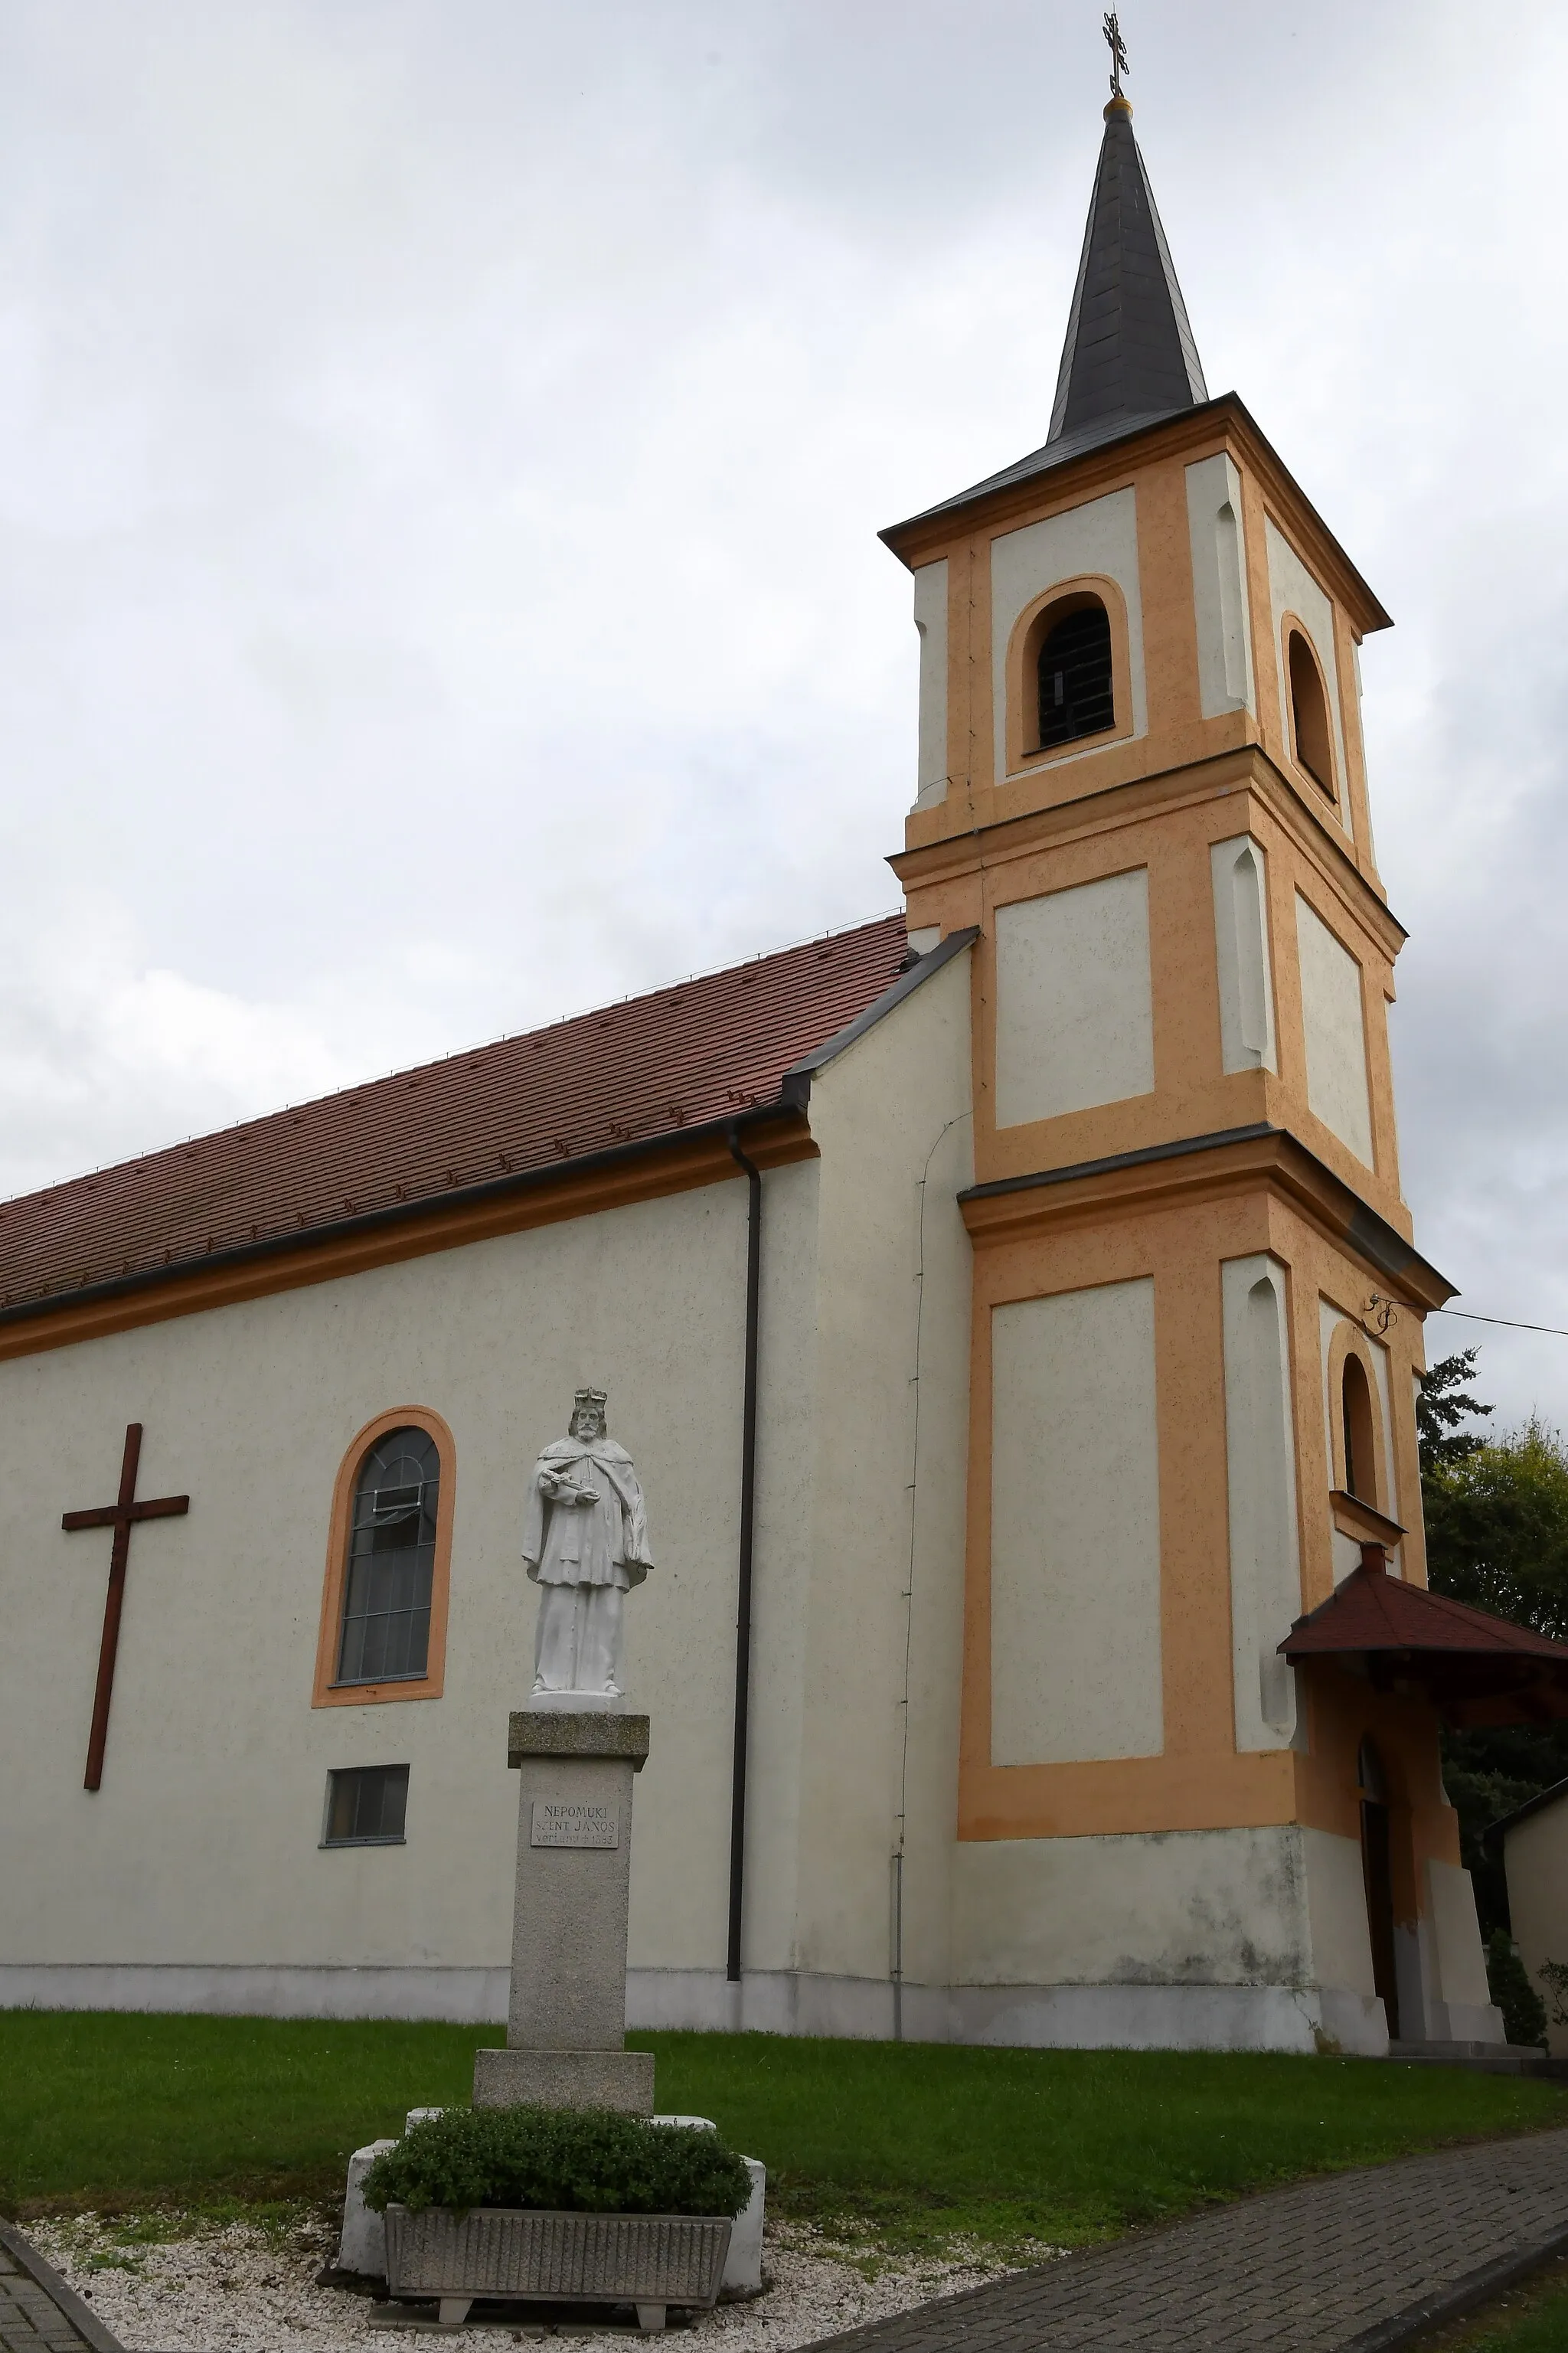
x,y
1010,1309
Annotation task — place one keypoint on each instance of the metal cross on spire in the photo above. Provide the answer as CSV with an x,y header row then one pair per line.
x,y
1118,48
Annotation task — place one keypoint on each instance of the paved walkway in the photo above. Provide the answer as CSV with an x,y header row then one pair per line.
x,y
39,2314
1356,2262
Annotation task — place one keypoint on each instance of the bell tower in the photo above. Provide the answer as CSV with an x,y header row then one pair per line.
x,y
1199,1303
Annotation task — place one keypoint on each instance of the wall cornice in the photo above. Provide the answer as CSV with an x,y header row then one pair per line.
x,y
1207,1168
609,1180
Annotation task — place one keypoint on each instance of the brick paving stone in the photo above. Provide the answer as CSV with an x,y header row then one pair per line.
x,y
1350,2263
39,2314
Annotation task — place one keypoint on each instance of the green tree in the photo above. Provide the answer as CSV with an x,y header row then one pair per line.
x,y
1442,1403
1496,1536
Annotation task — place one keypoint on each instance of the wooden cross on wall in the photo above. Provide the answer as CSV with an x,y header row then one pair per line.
x,y
122,1515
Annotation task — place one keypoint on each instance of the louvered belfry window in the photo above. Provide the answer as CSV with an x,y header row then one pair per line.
x,y
1077,697
392,1560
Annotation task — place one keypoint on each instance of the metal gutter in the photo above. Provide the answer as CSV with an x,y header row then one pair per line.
x,y
305,1237
754,1175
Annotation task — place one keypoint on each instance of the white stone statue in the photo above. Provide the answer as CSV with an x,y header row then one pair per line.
x,y
585,1545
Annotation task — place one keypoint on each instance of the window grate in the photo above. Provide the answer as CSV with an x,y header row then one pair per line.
x,y
1076,693
392,1562
366,1806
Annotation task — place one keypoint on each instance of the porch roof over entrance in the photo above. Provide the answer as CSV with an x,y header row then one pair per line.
x,y
1474,1668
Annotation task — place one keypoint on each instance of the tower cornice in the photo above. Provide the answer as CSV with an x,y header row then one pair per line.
x,y
1246,769
1056,482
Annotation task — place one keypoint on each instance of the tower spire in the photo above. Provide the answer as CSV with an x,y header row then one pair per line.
x,y
1129,354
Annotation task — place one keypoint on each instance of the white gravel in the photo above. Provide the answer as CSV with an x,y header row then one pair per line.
x,y
237,2289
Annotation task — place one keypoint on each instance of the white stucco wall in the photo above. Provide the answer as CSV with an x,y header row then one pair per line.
x,y
1457,1964
931,620
1239,873
1208,1907
1292,589
1075,1528
1216,535
1101,537
201,1847
194,1878
1535,1856
1260,1458
1074,1015
1237,1939
1335,1032
892,1301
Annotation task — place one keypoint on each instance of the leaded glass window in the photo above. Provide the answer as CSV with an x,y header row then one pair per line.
x,y
391,1561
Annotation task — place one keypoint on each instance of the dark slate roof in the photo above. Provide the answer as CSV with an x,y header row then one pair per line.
x,y
1129,360
1129,355
641,1072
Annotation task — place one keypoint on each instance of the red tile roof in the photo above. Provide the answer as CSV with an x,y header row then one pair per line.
x,y
645,1069
1473,1667
1374,1611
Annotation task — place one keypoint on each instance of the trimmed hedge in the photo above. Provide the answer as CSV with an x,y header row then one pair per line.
x,y
565,2160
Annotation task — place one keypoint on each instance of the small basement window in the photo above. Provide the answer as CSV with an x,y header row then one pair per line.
x,y
366,1806
1309,714
1076,695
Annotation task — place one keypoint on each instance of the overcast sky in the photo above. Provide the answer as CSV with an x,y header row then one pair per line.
x,y
442,444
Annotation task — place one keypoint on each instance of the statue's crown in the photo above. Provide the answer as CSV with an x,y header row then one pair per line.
x,y
590,1397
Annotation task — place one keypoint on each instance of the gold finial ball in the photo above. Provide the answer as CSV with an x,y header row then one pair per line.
x,y
1119,106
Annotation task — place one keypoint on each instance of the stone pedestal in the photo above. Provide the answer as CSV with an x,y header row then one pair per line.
x,y
566,2023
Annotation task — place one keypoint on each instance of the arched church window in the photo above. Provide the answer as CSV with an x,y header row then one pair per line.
x,y
1358,1432
1309,713
385,1635
1076,693
389,1555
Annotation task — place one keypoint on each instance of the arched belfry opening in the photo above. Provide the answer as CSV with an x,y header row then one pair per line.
x,y
1360,1431
1074,674
1309,714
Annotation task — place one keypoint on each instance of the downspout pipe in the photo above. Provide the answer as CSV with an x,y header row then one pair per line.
x,y
753,1177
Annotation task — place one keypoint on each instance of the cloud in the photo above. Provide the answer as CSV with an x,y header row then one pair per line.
x,y
441,451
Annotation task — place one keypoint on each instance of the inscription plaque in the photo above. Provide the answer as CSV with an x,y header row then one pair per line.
x,y
575,1822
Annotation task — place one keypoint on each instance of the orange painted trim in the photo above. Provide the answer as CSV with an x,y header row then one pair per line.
x,y
936,854
191,1290
1274,1163
1029,631
327,1693
1128,1795
1342,1710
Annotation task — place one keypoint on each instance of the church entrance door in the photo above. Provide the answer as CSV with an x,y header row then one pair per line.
x,y
1377,1873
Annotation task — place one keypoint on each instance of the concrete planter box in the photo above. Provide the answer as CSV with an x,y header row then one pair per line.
x,y
649,2259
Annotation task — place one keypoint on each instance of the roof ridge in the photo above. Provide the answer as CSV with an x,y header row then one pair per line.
x,y
438,1062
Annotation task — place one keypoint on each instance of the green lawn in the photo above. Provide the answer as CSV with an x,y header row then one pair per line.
x,y
1530,2318
914,2142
